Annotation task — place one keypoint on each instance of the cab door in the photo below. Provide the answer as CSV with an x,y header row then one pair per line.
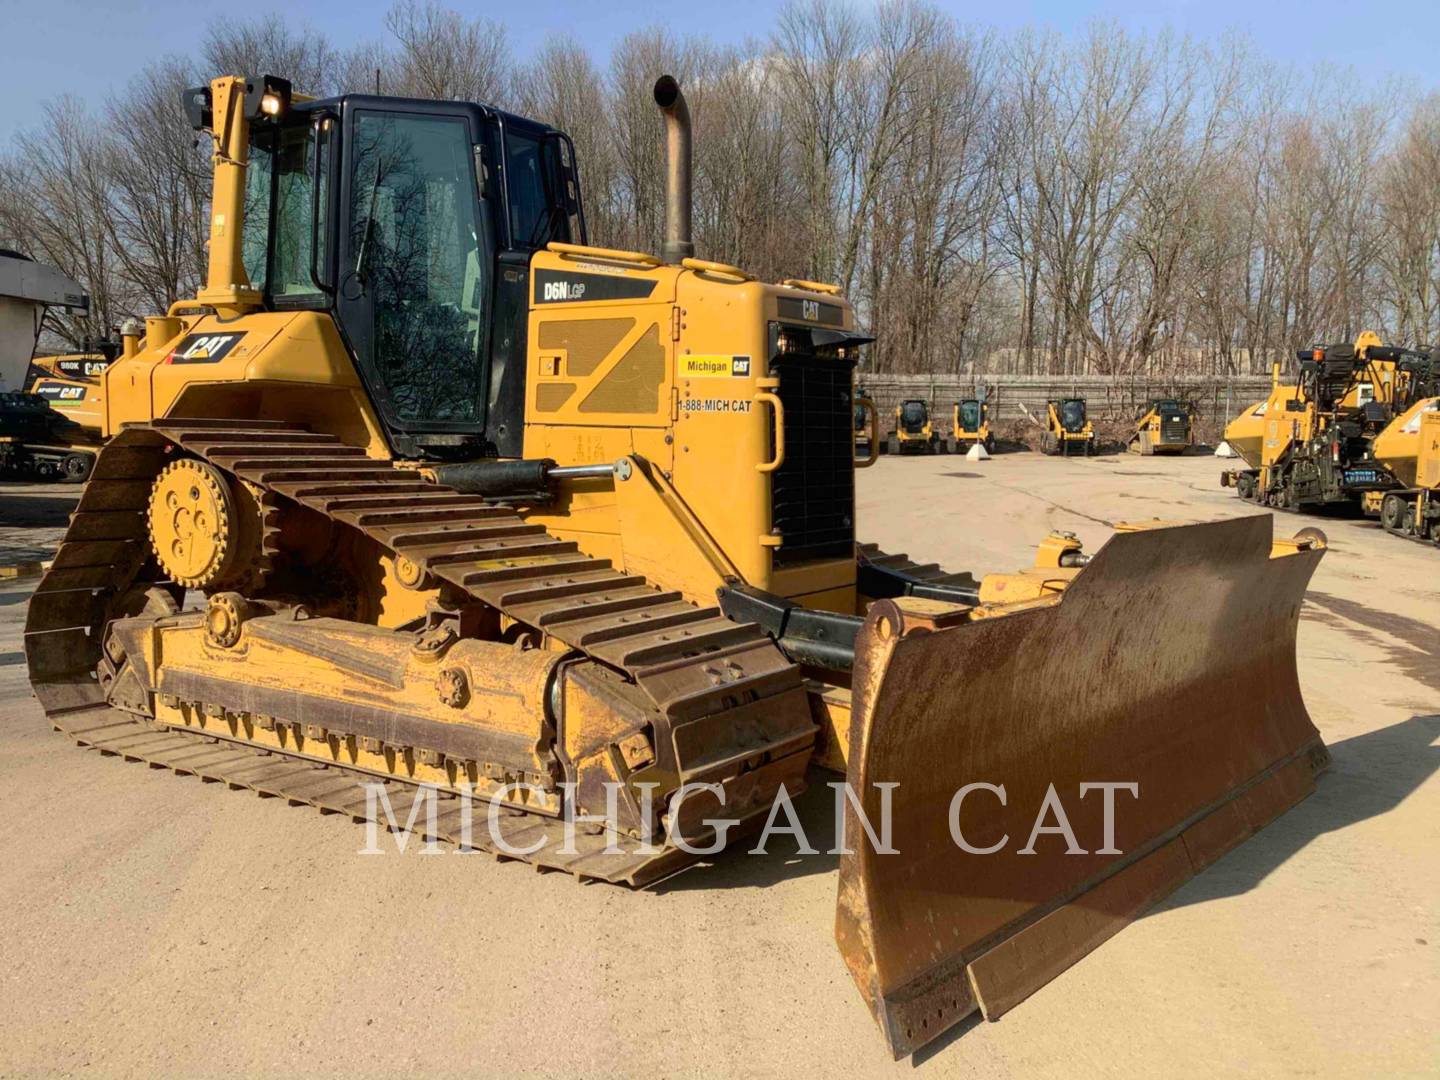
x,y
414,279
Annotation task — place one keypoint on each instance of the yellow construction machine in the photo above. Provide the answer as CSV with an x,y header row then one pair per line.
x,y
1315,438
1067,428
47,420
867,422
51,430
913,433
1163,429
1246,436
970,426
423,491
1410,449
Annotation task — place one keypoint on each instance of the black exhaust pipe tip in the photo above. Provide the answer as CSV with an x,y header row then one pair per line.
x,y
666,91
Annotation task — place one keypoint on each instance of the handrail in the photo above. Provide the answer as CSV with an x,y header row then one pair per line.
x,y
812,286
614,254
705,266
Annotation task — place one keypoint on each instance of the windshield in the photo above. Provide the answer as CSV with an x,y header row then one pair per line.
x,y
970,415
913,415
1072,414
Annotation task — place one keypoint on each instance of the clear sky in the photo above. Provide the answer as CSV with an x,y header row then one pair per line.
x,y
89,47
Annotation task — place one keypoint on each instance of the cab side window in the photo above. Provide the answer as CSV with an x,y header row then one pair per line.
x,y
537,212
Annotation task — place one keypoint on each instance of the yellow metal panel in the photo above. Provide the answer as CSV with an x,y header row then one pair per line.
x,y
1429,472
584,342
632,385
721,434
549,397
1400,446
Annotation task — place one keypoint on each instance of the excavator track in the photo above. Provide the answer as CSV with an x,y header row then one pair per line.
x,y
691,662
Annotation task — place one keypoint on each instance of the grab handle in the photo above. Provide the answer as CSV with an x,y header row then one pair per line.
x,y
765,397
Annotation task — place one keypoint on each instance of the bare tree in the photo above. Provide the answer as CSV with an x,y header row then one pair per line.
x,y
1105,201
268,45
159,189
563,87
439,53
59,212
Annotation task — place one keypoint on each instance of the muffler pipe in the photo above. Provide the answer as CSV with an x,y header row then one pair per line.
x,y
678,245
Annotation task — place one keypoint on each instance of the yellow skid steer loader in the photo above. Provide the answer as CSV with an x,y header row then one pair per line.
x,y
1067,428
463,505
1164,428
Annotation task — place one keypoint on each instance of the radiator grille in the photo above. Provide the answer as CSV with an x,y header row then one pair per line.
x,y
813,492
1172,430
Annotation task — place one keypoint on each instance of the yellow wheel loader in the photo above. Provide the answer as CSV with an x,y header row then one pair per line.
x,y
424,497
1163,429
969,426
913,432
1067,428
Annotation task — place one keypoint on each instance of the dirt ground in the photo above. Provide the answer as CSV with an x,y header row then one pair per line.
x,y
158,925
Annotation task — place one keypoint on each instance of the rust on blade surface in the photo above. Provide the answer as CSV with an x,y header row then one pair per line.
x,y
1169,663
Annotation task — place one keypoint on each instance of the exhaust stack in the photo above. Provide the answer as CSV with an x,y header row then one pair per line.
x,y
678,244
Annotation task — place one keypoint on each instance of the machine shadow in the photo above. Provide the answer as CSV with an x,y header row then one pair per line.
x,y
952,1035
1370,775
784,859
37,511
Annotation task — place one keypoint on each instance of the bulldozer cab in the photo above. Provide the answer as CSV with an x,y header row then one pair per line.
x,y
413,222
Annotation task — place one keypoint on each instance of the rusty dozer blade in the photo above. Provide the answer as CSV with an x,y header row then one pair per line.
x,y
1169,662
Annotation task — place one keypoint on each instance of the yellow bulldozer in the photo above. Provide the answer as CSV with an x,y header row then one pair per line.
x,y
424,496
1164,428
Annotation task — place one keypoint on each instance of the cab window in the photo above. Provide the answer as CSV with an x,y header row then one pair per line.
x,y
537,207
278,227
